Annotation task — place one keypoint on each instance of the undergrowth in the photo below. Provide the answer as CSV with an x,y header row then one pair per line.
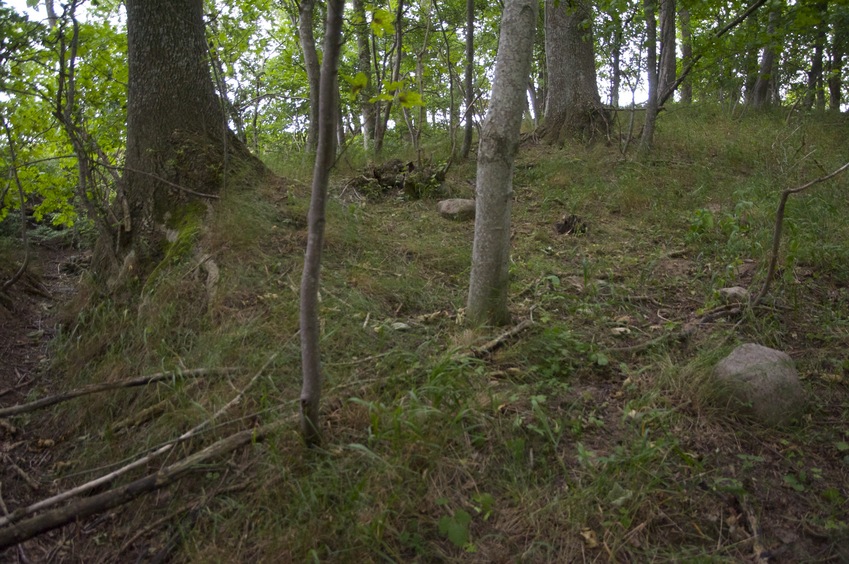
x,y
556,447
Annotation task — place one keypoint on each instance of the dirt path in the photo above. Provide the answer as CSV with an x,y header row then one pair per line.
x,y
27,325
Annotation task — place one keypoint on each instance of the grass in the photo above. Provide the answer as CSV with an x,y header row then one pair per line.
x,y
554,448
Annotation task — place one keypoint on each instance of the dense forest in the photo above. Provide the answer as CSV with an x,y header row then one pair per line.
x,y
407,280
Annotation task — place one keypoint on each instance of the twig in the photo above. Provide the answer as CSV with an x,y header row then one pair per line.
x,y
115,497
498,341
96,388
164,181
49,502
34,486
22,556
779,224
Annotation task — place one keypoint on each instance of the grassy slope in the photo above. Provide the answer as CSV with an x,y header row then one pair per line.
x,y
555,447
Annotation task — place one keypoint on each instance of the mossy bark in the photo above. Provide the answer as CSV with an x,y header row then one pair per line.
x,y
179,149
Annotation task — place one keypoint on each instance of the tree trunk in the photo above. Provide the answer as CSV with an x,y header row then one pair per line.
x,y
686,52
364,66
647,139
324,158
469,83
839,43
816,91
306,17
668,46
761,96
175,151
396,76
573,106
751,70
498,145
616,60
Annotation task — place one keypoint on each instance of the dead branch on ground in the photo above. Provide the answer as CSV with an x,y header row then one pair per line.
x,y
497,342
131,383
105,479
86,507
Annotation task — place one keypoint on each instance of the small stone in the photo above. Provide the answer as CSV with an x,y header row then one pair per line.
x,y
761,383
400,326
457,208
734,295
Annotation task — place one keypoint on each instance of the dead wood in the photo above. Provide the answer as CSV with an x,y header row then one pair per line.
x,y
108,478
497,342
96,388
779,225
82,508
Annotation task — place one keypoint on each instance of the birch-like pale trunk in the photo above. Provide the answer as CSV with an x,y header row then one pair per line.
x,y
324,157
498,145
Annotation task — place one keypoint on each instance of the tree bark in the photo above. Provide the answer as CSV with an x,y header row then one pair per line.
x,y
761,96
499,142
175,151
647,139
324,158
668,46
839,44
361,30
469,83
686,52
383,121
306,18
573,106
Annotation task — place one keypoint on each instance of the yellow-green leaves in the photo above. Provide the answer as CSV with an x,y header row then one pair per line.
x,y
381,22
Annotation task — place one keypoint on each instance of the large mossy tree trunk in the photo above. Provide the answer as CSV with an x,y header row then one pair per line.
x,y
179,149
499,142
573,106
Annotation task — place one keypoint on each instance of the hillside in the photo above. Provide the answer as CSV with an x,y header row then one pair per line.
x,y
592,434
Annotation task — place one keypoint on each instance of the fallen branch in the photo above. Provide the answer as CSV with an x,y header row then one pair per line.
x,y
96,388
80,509
107,478
34,486
498,341
779,225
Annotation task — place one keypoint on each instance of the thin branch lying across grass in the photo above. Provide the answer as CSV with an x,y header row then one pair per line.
x,y
23,530
88,486
779,225
97,388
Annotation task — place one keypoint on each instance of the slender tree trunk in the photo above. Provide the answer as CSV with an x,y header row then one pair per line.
x,y
668,46
362,31
761,96
573,106
839,43
328,104
647,139
532,95
469,83
306,17
752,69
686,52
616,60
498,145
816,90
396,75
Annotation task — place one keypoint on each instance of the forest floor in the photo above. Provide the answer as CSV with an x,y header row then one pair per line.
x,y
593,434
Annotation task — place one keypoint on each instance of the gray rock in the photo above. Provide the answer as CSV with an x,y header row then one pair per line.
x,y
457,208
734,295
761,383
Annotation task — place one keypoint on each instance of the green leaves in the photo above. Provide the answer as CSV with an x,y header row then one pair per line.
x,y
382,22
456,527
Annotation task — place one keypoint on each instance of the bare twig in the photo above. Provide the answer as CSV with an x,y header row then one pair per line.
x,y
56,499
164,181
96,388
495,343
34,486
82,508
779,224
